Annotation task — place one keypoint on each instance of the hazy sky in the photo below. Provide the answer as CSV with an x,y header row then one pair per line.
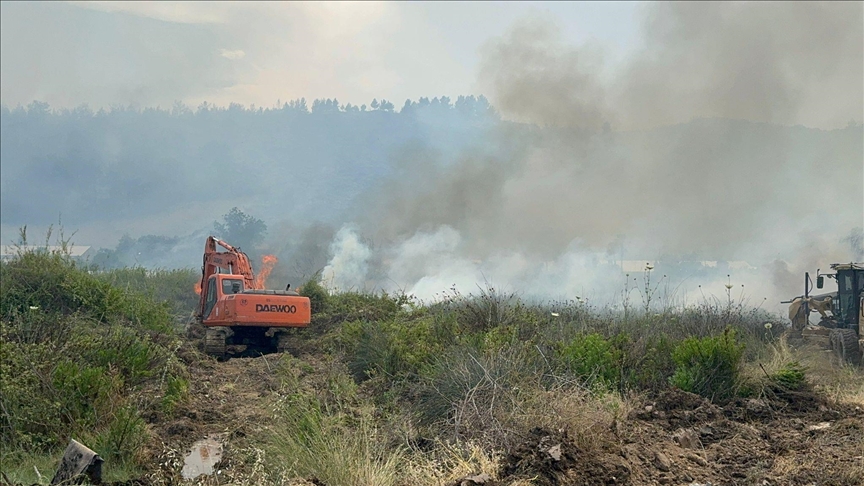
x,y
148,54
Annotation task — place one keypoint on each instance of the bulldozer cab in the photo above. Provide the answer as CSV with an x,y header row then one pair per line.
x,y
850,292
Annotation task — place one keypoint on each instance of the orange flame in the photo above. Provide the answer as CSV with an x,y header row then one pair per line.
x,y
197,288
267,264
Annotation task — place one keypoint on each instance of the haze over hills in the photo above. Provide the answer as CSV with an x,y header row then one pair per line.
x,y
745,146
434,194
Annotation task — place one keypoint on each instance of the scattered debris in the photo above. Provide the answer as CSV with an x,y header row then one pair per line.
x,y
688,439
697,459
819,426
78,460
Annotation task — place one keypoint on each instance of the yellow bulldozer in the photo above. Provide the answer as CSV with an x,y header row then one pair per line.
x,y
841,312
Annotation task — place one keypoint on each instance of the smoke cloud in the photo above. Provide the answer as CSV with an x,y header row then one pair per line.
x,y
691,151
727,149
349,267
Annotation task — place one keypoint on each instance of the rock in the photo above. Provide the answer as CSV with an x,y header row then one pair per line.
x,y
687,438
555,452
819,426
697,459
474,480
662,461
756,406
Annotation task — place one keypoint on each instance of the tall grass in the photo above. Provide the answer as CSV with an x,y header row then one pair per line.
x,y
329,441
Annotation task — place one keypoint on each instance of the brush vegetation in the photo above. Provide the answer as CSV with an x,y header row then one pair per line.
x,y
83,357
387,390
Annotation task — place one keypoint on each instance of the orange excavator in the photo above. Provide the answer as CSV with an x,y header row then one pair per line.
x,y
236,310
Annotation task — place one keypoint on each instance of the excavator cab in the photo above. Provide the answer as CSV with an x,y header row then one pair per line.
x,y
229,285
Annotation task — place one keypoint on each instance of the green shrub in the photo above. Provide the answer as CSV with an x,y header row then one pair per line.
x,y
351,307
77,355
791,376
174,287
316,293
124,435
593,359
396,349
176,391
709,366
53,283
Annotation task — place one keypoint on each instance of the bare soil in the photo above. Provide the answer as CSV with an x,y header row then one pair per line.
x,y
681,438
793,438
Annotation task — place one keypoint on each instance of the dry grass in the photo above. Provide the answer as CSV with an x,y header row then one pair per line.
x,y
803,468
446,462
837,381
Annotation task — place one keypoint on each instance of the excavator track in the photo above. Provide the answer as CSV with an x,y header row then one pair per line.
x,y
285,342
214,343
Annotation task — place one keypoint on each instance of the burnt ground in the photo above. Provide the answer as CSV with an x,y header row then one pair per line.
x,y
793,438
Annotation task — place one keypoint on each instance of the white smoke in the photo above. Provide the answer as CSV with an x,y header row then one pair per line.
x,y
432,263
349,267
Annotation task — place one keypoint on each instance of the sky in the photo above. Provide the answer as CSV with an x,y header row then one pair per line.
x,y
155,53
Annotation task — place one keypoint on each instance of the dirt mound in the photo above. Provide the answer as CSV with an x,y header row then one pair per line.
x,y
681,438
674,409
550,457
798,438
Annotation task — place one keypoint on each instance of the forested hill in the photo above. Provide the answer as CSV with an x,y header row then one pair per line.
x,y
706,185
124,163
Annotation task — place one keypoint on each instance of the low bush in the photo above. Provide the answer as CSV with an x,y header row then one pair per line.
x,y
398,349
593,359
330,444
647,362
317,295
790,376
709,366
474,395
176,287
52,283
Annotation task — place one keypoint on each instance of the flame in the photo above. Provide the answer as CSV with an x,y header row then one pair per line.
x,y
197,287
267,264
